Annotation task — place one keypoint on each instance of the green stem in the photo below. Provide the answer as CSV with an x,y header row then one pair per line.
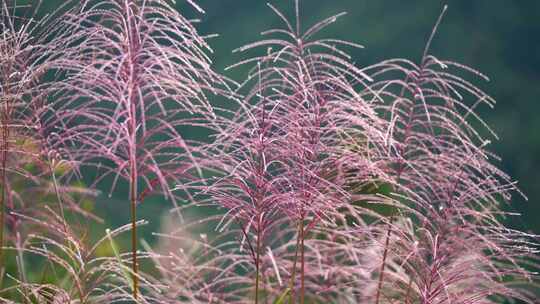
x,y
133,197
292,298
134,246
82,295
302,263
5,147
58,197
383,264
257,262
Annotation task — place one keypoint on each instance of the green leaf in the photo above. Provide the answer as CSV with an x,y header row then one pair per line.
x,y
281,299
125,269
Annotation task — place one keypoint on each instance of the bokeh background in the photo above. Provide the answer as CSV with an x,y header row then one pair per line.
x,y
501,38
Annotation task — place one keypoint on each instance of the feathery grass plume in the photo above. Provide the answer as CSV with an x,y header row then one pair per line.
x,y
36,186
72,269
197,264
308,87
202,261
16,80
446,176
247,181
249,192
373,184
26,56
137,73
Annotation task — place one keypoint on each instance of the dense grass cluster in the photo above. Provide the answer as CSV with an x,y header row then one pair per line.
x,y
320,181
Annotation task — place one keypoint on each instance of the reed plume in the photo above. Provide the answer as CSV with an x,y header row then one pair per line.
x,y
320,181
443,172
287,138
137,74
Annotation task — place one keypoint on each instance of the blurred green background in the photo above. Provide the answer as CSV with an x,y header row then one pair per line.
x,y
501,38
